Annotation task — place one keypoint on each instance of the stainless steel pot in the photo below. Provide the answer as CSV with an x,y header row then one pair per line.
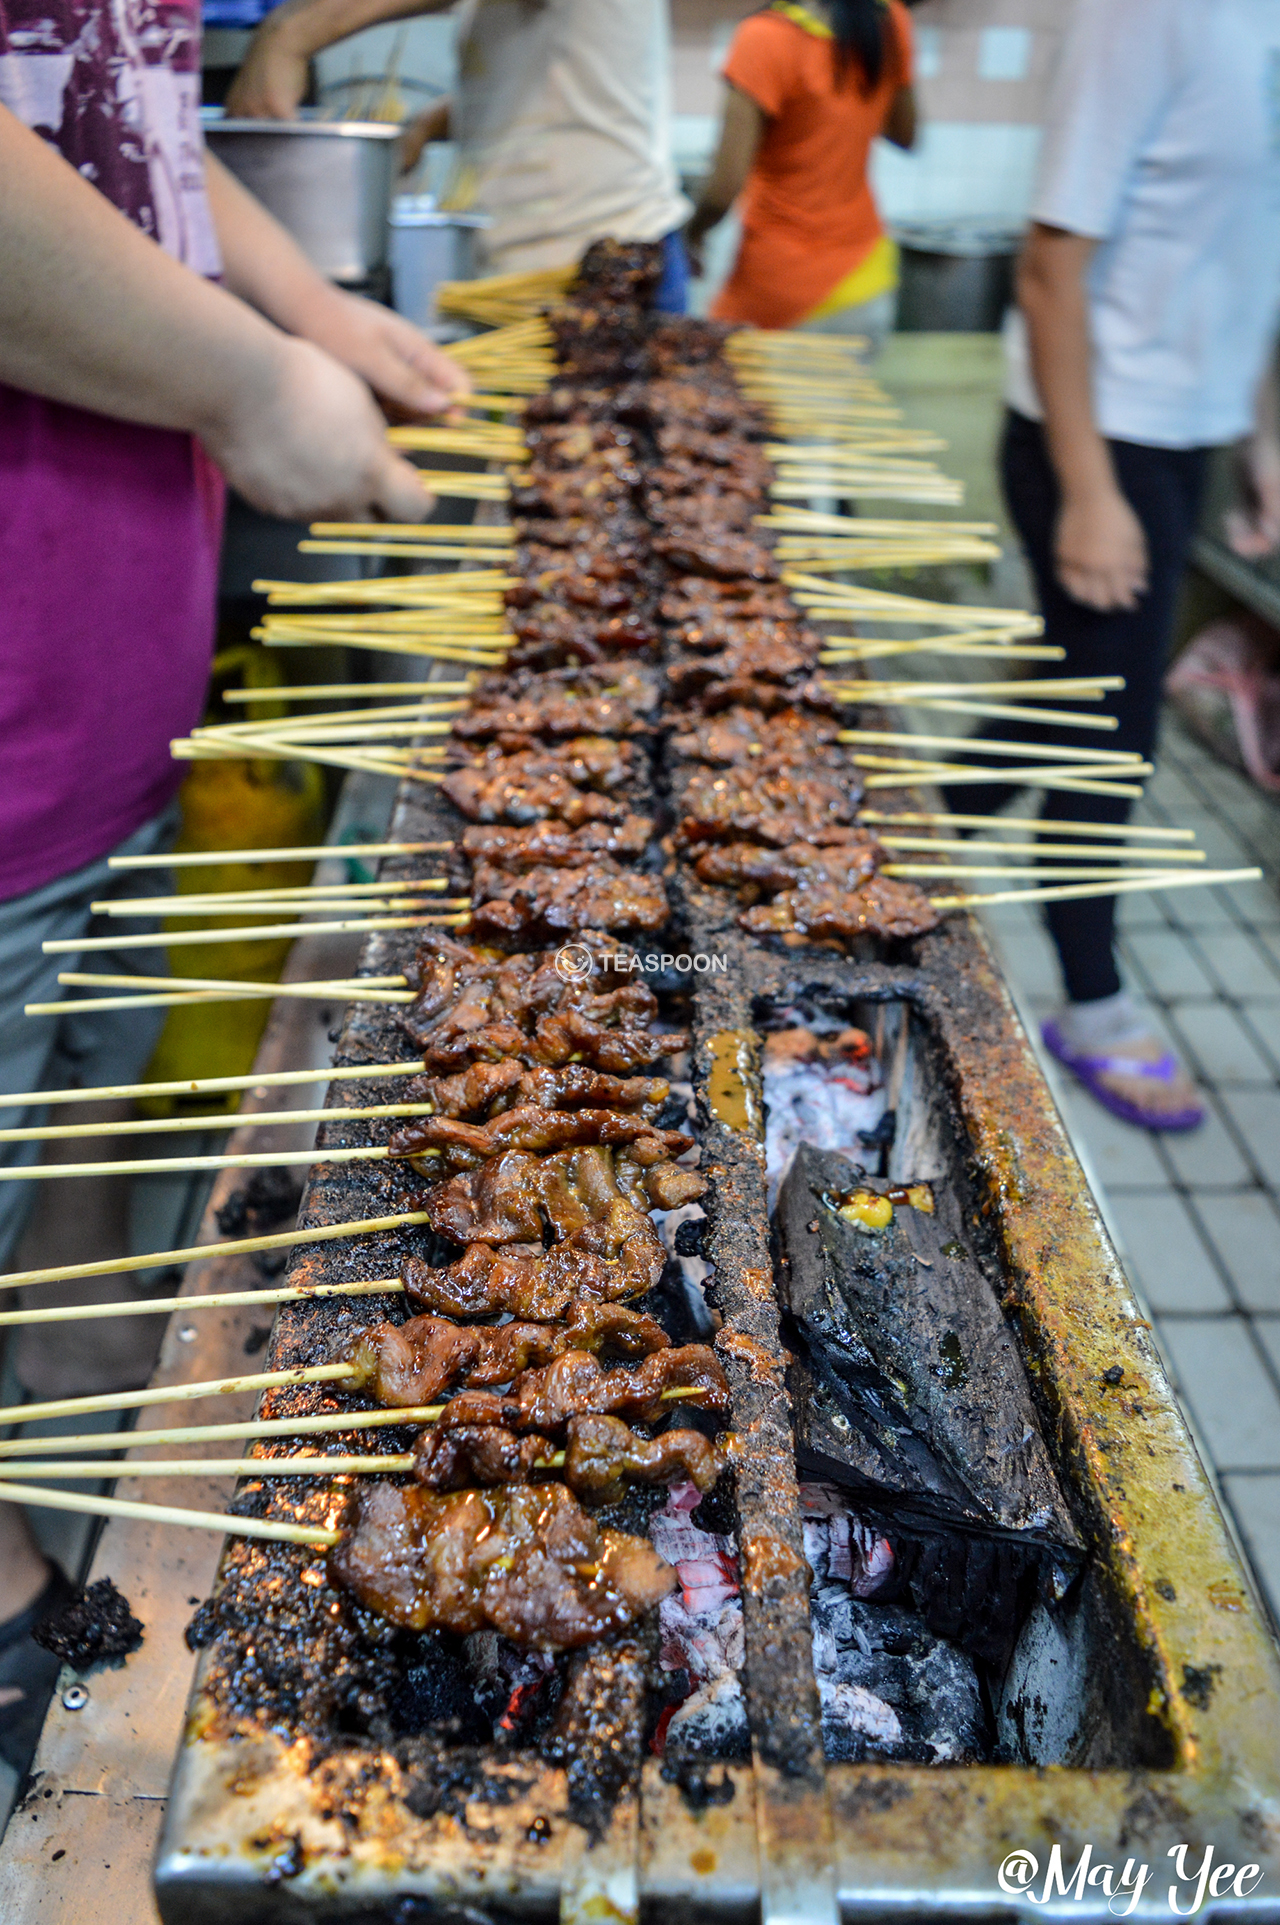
x,y
328,181
428,246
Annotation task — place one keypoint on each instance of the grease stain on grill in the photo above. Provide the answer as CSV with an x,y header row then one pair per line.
x,y
733,1084
1199,1682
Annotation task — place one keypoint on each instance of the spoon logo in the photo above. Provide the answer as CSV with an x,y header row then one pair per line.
x,y
574,963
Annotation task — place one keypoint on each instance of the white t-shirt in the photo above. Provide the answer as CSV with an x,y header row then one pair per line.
x,y
1162,142
563,118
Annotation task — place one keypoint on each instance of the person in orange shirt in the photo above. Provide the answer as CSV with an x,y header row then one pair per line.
x,y
808,88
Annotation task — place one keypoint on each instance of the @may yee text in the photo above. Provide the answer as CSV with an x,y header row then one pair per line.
x,y
1195,1876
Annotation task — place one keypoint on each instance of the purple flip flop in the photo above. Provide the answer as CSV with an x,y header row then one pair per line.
x,y
1090,1069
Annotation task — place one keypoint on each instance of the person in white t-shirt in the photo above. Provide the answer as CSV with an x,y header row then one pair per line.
x,y
562,119
1148,293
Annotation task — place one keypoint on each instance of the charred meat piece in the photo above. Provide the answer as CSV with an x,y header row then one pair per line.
x,y
519,1198
776,809
725,557
570,783
550,636
529,1127
635,685
553,715
618,1256
549,844
542,903
473,1093
559,495
691,598
791,737
800,865
403,1365
698,514
571,1035
767,652
826,913
728,412
601,1456
576,1385
526,1561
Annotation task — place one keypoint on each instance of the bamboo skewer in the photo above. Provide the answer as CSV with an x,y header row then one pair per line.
x,y
1047,826
219,1300
392,1464
258,1427
199,1252
171,1165
306,852
252,932
187,1125
1005,711
233,992
1049,850
1121,758
325,894
212,1085
890,772
481,534
1036,872
37,1497
327,691
295,904
1156,883
174,1393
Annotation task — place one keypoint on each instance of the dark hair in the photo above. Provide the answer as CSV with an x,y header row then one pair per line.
x,y
859,30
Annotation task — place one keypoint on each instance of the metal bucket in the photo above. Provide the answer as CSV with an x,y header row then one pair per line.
x,y
955,278
428,246
328,182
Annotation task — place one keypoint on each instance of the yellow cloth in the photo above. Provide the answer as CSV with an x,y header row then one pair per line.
x,y
875,273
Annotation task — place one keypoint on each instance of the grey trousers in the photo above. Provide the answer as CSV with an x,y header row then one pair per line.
x,y
56,1052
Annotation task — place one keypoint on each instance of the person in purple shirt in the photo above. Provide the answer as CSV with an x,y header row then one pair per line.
x,y
160,336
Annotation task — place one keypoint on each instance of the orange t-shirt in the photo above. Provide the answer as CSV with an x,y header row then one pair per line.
x,y
808,213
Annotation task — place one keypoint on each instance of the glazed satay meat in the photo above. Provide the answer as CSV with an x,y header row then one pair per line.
x,y
721,556
412,1363
529,1126
525,1560
825,912
617,1255
692,598
521,1198
577,1385
790,738
574,783
550,844
757,871
601,1456
484,1090
542,903
529,719
774,808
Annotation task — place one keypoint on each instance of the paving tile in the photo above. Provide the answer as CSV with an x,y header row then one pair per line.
x,y
1141,912
1244,1229
1213,1037
1126,1158
1223,848
1268,1330
1257,902
1031,963
1255,1502
1263,1020
1222,1379
1199,909
1257,1116
1241,962
1165,964
1167,1259
1207,1158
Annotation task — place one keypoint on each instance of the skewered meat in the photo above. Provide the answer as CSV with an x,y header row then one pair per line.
x,y
530,1127
565,782
546,902
602,1454
881,907
575,1385
776,809
693,598
638,686
553,714
618,1256
728,412
550,636
550,844
411,1363
473,1093
743,735
680,513
726,557
516,1197
778,656
843,865
527,1561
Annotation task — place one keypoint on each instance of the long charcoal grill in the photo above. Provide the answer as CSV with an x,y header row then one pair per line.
x,y
1141,1715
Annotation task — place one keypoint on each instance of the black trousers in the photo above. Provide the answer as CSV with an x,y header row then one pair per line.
x,y
1163,487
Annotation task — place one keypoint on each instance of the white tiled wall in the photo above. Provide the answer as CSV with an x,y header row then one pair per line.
x,y
961,170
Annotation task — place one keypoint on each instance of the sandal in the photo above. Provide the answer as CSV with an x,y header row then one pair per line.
x,y
1091,1068
28,1668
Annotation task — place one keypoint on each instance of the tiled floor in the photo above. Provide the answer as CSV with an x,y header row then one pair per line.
x,y
1197,1217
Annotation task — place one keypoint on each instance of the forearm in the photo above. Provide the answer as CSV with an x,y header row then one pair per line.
x,y
94,313
1053,297
740,137
262,262
305,27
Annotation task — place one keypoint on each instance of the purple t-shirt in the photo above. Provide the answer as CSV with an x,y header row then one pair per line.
x,y
109,531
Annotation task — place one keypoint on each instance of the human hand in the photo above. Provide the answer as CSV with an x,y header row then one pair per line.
x,y
405,370
305,440
271,83
1253,528
1100,550
696,250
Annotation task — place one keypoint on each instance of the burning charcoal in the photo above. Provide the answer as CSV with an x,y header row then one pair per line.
x,y
702,1635
889,1688
818,1090
94,1626
911,1389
